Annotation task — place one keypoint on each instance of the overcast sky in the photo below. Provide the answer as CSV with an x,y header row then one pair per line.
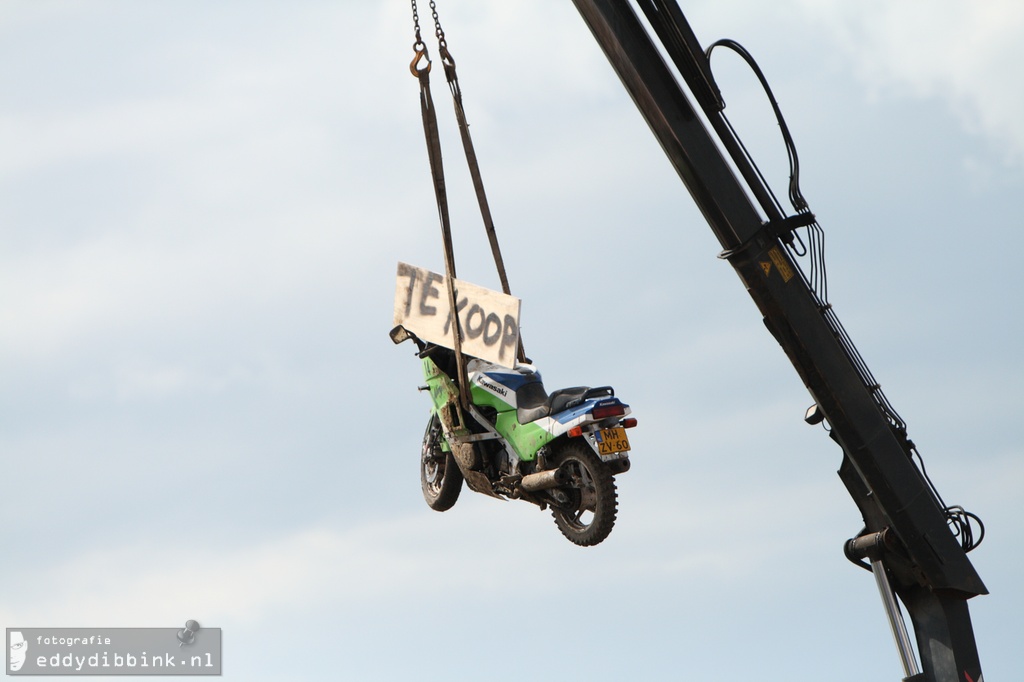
x,y
201,416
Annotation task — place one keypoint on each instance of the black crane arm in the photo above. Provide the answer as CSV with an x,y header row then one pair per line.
x,y
926,565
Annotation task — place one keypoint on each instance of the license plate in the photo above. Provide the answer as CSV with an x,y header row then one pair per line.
x,y
610,441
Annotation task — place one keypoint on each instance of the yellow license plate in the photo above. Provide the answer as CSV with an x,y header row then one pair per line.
x,y
610,441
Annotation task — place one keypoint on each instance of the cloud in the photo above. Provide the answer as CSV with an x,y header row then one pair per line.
x,y
199,255
140,581
965,54
145,583
249,186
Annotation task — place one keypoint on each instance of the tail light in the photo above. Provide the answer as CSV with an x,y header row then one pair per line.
x,y
604,411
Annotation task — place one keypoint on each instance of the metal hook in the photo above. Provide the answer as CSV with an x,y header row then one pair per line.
x,y
421,54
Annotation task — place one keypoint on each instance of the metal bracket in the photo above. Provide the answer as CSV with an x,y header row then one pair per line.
x,y
783,228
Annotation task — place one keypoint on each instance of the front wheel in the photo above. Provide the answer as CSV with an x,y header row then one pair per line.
x,y
440,476
584,508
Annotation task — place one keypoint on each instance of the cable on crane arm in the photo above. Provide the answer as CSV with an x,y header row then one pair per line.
x,y
814,248
795,196
961,522
815,244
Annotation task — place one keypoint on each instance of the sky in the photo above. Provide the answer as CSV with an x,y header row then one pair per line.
x,y
202,206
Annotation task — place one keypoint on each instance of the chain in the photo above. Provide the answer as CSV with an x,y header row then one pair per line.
x,y
418,45
438,31
420,68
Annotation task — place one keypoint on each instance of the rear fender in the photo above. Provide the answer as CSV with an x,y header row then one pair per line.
x,y
618,460
581,415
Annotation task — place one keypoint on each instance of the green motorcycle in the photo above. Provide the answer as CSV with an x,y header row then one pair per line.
x,y
513,440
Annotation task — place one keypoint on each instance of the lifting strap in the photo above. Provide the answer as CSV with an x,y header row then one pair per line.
x,y
420,67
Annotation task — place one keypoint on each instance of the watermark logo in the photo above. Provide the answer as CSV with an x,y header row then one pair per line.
x,y
19,649
192,650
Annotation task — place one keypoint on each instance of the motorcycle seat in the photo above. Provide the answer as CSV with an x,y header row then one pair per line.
x,y
533,404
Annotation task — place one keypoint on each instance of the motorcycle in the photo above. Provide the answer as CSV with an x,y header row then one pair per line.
x,y
513,440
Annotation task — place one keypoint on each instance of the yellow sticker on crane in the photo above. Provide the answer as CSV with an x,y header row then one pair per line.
x,y
781,264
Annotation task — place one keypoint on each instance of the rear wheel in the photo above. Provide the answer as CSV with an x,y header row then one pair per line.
x,y
440,477
584,508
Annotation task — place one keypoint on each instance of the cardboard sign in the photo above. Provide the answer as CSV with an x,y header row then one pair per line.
x,y
489,319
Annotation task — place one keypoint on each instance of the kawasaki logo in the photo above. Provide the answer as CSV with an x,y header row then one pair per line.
x,y
497,389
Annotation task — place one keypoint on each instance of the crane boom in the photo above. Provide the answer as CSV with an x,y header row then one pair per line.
x,y
906,536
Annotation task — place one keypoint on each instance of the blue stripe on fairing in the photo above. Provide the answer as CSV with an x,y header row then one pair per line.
x,y
510,380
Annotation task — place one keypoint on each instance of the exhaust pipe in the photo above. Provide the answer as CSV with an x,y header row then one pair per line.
x,y
543,480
